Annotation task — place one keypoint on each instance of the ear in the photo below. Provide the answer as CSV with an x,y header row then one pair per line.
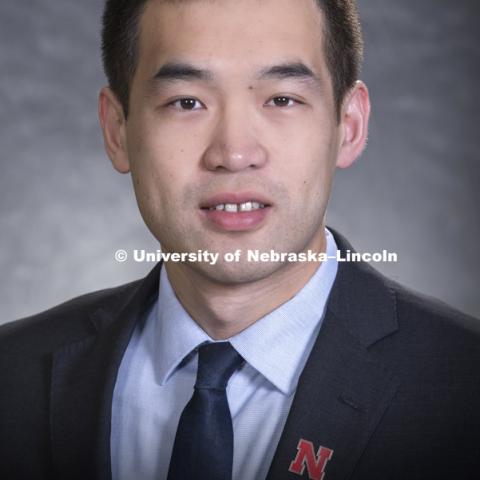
x,y
112,122
353,124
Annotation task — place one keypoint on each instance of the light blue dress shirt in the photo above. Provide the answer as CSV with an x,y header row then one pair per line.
x,y
159,368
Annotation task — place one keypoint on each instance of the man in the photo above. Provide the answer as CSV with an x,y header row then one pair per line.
x,y
231,117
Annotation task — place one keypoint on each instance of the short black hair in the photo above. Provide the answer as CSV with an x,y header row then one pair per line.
x,y
120,38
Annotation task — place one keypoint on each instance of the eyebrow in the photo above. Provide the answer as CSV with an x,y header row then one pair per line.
x,y
295,70
179,71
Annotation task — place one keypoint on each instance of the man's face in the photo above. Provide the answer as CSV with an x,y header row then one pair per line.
x,y
232,106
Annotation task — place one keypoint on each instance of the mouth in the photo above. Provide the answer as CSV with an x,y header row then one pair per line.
x,y
236,211
249,206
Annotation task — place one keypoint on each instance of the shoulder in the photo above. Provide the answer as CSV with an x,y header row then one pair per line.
x,y
375,303
63,323
433,342
437,320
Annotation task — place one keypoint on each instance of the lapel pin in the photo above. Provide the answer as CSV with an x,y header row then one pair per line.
x,y
306,457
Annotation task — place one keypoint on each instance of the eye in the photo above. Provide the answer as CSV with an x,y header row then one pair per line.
x,y
282,101
186,103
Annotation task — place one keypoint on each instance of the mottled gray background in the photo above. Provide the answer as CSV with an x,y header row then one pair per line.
x,y
64,211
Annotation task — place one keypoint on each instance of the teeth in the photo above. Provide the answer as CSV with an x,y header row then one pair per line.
x,y
246,207
231,207
241,207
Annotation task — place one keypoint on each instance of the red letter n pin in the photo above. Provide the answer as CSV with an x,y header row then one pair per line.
x,y
315,463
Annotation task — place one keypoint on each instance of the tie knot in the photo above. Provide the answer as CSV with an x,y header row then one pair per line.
x,y
216,364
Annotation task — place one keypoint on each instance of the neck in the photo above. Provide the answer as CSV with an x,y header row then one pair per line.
x,y
225,310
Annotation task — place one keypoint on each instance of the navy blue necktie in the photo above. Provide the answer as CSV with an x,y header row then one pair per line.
x,y
203,448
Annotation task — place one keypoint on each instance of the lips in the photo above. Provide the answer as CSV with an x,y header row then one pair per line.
x,y
236,211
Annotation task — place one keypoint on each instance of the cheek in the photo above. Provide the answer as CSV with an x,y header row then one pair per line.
x,y
174,145
161,162
308,167
309,178
314,187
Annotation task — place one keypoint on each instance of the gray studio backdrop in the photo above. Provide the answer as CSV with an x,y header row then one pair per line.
x,y
64,211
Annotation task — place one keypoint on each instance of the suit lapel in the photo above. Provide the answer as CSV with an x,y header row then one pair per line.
x,y
340,398
344,389
82,383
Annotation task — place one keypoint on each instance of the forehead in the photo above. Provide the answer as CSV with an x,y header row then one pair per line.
x,y
231,35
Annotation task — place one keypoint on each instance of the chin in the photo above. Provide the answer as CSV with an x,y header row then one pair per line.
x,y
237,273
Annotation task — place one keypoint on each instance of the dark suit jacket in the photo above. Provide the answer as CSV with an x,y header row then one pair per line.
x,y
392,385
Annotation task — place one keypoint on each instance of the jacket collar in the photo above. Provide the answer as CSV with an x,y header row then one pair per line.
x,y
362,298
342,392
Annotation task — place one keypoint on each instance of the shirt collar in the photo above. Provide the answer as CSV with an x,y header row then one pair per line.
x,y
277,345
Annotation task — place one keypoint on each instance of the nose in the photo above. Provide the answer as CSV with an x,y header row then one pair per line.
x,y
234,144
